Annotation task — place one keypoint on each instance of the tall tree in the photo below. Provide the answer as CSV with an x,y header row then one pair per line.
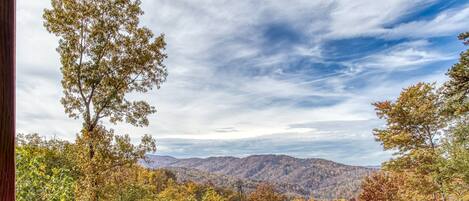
x,y
429,130
105,55
413,128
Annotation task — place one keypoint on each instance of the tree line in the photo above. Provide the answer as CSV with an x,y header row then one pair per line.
x,y
50,170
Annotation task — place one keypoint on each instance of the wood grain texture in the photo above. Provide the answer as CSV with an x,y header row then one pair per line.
x,y
7,100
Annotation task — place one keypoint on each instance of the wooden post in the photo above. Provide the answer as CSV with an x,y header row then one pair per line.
x,y
7,100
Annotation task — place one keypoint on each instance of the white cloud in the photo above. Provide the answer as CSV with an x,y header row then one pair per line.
x,y
352,18
447,22
373,18
404,56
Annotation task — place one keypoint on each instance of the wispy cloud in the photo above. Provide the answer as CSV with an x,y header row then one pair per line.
x,y
445,23
403,56
367,17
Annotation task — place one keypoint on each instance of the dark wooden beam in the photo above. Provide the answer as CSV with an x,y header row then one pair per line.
x,y
7,100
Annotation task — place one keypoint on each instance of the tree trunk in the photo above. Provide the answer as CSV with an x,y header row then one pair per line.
x,y
94,173
7,100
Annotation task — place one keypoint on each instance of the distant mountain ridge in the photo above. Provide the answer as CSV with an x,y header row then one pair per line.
x,y
300,177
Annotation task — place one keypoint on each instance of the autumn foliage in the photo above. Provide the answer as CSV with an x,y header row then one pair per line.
x,y
265,192
428,130
382,186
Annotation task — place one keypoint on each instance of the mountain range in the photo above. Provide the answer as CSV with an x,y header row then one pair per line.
x,y
309,177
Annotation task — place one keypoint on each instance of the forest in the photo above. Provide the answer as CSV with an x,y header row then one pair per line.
x,y
105,55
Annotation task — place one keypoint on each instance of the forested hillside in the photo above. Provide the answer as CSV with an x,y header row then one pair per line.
x,y
293,176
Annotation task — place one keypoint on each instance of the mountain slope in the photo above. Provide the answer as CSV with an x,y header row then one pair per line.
x,y
318,177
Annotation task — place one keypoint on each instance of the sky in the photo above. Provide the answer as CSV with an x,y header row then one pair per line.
x,y
262,77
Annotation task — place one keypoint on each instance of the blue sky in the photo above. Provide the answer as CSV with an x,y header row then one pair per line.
x,y
258,77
